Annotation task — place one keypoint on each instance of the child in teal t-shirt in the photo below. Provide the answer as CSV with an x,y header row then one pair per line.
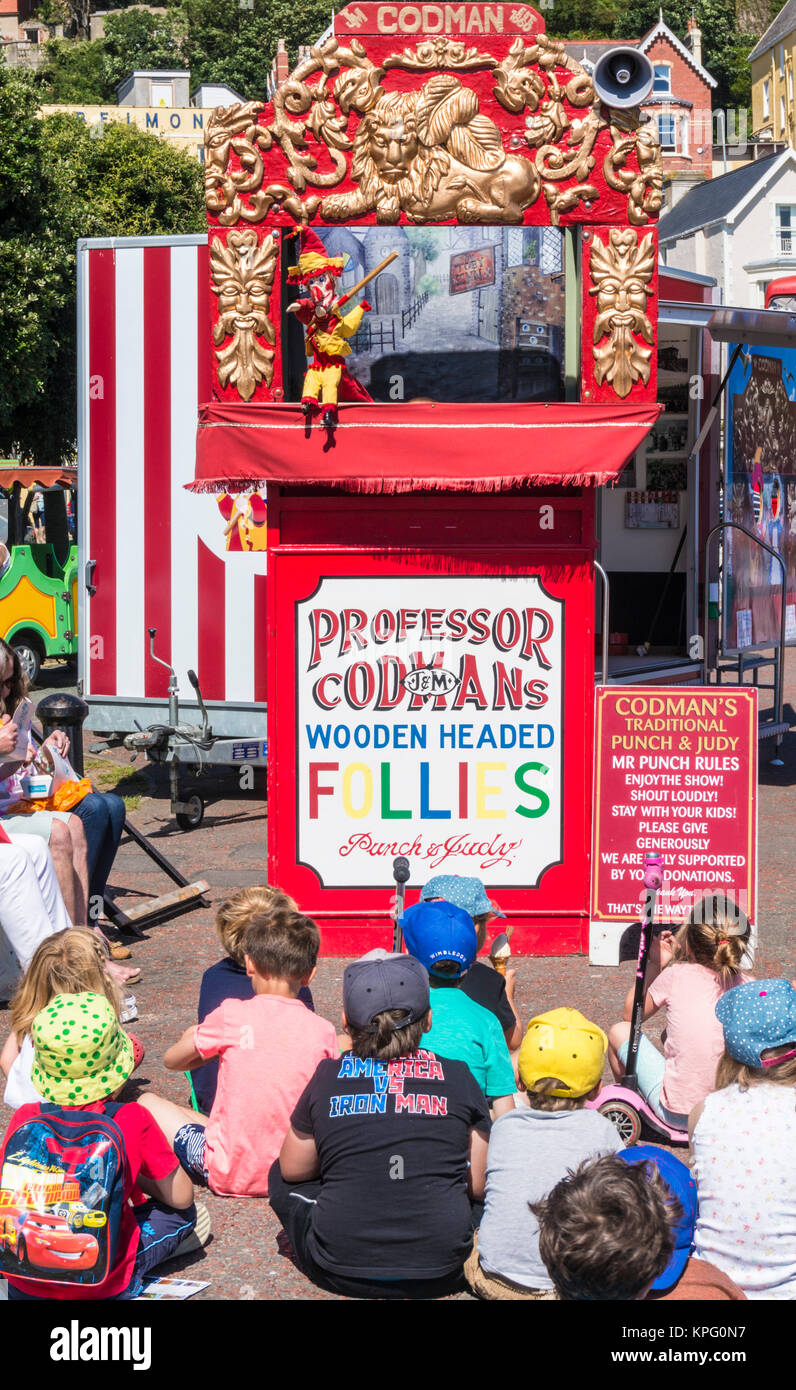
x,y
443,938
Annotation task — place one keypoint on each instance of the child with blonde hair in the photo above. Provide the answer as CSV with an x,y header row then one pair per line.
x,y
688,973
73,961
227,979
743,1138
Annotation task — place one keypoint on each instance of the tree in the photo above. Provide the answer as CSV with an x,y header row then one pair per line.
x,y
73,71
139,39
61,181
724,48
230,43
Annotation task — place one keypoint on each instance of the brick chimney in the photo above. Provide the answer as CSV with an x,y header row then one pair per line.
x,y
281,68
695,38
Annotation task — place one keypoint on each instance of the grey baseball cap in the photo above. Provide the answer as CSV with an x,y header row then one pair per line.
x,y
380,981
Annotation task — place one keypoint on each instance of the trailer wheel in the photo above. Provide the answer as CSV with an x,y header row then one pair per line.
x,y
625,1119
30,659
193,817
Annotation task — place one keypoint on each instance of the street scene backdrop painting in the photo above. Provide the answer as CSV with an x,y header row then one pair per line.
x,y
462,313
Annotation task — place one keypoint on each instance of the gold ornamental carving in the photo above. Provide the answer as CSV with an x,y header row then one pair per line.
x,y
242,276
620,274
429,154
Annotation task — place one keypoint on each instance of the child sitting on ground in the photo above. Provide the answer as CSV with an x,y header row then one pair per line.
x,y
442,937
743,1139
268,1048
560,1067
227,979
385,1147
483,984
74,961
133,1204
686,976
606,1231
685,1279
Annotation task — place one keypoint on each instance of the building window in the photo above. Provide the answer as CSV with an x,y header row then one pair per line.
x,y
667,132
786,226
766,105
684,135
782,60
790,84
782,115
662,77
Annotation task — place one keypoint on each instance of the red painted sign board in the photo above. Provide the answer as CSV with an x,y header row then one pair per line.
x,y
675,770
431,696
471,270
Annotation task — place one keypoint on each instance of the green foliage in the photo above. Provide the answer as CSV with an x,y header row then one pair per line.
x,y
138,39
73,72
425,240
724,49
229,43
59,180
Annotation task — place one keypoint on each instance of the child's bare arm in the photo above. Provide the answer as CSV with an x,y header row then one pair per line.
x,y
9,1054
298,1158
661,952
174,1191
501,1106
476,1173
182,1055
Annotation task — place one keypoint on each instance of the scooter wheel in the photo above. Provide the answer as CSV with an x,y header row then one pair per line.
x,y
190,819
625,1119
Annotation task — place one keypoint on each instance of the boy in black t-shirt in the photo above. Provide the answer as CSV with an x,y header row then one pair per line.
x,y
372,1184
483,984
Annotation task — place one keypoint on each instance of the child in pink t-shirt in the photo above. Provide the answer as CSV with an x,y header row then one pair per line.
x,y
686,975
268,1048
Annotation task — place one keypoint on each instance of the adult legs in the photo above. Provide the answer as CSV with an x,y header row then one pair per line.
x,y
31,905
77,836
61,851
102,817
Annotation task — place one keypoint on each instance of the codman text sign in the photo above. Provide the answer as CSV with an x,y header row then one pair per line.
x,y
471,270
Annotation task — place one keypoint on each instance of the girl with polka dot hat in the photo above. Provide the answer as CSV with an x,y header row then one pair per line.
x,y
743,1138
69,962
82,1059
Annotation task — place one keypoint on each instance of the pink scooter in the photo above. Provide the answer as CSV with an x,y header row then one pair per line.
x,y
624,1104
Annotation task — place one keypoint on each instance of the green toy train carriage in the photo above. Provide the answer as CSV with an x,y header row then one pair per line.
x,y
38,565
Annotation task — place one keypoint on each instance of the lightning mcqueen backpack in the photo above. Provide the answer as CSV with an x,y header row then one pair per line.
x,y
63,1178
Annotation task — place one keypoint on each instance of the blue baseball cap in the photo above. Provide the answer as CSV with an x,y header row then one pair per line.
x,y
755,1016
436,932
682,1186
467,893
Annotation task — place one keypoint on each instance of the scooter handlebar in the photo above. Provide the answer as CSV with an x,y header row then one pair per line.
x,y
653,872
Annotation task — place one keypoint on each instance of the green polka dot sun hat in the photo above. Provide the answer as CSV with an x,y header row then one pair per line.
x,y
81,1052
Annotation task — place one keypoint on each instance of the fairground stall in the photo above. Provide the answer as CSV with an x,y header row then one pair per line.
x,y
433,286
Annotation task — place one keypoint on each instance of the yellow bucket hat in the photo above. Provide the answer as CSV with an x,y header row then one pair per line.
x,y
81,1052
563,1044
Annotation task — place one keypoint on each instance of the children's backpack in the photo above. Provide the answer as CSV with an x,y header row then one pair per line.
x,y
63,1177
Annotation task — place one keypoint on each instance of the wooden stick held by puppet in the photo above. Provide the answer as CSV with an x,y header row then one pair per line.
x,y
326,329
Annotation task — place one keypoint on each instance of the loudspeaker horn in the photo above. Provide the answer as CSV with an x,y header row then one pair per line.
x,y
623,77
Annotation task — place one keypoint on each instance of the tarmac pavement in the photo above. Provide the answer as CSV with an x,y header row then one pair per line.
x,y
245,1258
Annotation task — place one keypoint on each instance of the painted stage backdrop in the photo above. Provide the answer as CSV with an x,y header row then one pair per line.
x,y
761,495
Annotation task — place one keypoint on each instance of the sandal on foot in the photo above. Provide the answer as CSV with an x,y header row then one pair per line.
x,y
117,951
199,1236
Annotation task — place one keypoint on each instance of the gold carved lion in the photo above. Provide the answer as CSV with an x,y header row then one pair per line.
x,y
433,155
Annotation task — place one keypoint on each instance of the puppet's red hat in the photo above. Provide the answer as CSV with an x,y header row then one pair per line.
x,y
313,259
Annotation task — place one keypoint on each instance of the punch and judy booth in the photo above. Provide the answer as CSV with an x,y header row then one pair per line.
x,y
431,441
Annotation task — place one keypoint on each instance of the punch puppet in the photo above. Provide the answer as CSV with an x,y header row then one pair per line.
x,y
326,329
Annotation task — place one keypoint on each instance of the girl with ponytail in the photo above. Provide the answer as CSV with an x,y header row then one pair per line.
x,y
687,975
